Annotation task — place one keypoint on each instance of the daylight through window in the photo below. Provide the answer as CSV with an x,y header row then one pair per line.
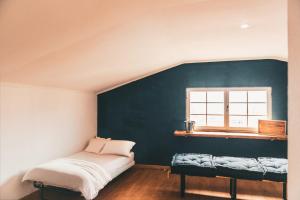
x,y
228,108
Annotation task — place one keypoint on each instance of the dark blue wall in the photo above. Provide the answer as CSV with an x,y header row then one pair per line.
x,y
148,111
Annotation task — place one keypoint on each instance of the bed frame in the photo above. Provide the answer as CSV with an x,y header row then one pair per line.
x,y
40,186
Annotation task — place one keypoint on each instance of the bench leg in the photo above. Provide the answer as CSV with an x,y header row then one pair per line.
x,y
233,188
284,191
182,185
230,191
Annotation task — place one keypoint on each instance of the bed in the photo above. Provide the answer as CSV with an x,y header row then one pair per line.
x,y
114,164
83,172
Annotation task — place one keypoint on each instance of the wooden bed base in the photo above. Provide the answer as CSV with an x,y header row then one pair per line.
x,y
40,186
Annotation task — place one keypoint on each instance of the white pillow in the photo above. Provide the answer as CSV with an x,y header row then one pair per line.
x,y
96,145
118,147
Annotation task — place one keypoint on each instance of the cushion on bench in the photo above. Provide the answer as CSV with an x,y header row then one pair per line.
x,y
193,164
238,167
276,169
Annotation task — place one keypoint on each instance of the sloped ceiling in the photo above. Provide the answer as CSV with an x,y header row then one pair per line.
x,y
95,45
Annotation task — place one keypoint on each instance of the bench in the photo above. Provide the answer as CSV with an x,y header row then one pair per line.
x,y
189,164
262,168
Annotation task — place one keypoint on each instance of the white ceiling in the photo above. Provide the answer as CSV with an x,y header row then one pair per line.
x,y
98,44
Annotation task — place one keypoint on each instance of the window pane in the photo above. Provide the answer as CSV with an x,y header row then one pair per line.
x,y
237,96
197,96
257,109
197,108
215,120
215,96
257,96
200,120
238,121
215,108
253,121
238,108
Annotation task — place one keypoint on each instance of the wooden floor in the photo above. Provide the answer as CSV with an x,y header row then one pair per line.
x,y
154,184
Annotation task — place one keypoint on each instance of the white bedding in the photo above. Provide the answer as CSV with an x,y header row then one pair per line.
x,y
84,172
114,164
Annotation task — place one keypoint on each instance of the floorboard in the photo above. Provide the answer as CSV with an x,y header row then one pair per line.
x,y
154,184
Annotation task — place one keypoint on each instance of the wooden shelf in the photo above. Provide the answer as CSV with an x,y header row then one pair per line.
x,y
230,135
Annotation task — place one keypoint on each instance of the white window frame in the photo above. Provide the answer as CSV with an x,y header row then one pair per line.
x,y
226,127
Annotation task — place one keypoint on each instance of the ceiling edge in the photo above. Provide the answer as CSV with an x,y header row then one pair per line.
x,y
186,62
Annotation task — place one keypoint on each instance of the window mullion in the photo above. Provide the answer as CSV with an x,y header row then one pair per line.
x,y
247,109
226,108
206,108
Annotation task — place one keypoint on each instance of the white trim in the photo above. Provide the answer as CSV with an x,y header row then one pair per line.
x,y
226,104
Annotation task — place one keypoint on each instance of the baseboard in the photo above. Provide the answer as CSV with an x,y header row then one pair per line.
x,y
157,167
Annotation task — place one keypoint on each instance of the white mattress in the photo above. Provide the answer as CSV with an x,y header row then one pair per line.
x,y
114,164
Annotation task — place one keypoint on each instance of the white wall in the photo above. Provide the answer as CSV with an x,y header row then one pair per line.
x,y
294,100
39,124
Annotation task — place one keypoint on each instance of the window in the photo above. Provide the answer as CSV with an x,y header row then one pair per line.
x,y
228,109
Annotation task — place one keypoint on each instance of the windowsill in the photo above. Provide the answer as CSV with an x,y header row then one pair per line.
x,y
230,135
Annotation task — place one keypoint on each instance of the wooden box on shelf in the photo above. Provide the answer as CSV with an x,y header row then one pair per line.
x,y
272,127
